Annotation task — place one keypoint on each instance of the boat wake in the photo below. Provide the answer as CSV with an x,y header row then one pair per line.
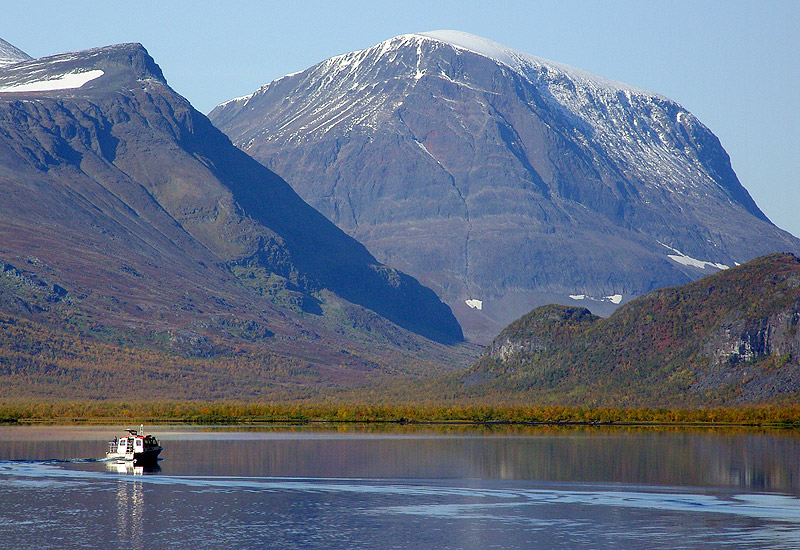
x,y
53,461
462,500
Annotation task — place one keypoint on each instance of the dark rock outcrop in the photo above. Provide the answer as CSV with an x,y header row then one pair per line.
x,y
546,328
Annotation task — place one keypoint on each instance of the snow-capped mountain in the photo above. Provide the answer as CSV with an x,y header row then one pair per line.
x,y
10,54
127,204
503,180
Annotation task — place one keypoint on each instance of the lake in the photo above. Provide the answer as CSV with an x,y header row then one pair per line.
x,y
405,487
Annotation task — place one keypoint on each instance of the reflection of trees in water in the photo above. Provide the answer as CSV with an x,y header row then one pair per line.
x,y
619,455
757,461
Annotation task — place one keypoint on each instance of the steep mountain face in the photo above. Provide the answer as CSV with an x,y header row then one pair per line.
x,y
124,209
730,337
10,54
502,180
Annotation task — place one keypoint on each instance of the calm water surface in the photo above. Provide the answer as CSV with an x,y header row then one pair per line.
x,y
468,488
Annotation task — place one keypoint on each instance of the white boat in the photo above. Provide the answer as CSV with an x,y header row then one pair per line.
x,y
135,447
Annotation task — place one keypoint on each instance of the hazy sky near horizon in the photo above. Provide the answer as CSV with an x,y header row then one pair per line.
x,y
734,64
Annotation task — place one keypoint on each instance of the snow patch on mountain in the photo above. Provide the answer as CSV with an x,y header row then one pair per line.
x,y
683,259
68,81
422,146
244,99
522,62
613,298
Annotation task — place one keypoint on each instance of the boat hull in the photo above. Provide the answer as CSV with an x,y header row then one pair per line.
x,y
147,457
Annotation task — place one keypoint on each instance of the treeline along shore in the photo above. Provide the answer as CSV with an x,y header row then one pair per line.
x,y
254,413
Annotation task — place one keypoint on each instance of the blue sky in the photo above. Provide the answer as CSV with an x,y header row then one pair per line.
x,y
734,64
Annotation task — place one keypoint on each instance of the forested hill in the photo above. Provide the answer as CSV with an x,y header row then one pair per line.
x,y
731,337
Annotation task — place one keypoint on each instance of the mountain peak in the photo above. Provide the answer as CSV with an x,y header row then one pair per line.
x,y
10,54
501,179
523,63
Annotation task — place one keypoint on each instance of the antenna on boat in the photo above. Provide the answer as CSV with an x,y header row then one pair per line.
x,y
141,429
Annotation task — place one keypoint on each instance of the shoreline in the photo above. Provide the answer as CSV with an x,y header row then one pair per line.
x,y
256,415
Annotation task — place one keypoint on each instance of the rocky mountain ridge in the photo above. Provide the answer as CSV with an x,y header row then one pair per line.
x,y
501,180
10,54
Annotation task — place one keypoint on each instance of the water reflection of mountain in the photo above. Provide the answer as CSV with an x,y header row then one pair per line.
x,y
737,458
652,457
